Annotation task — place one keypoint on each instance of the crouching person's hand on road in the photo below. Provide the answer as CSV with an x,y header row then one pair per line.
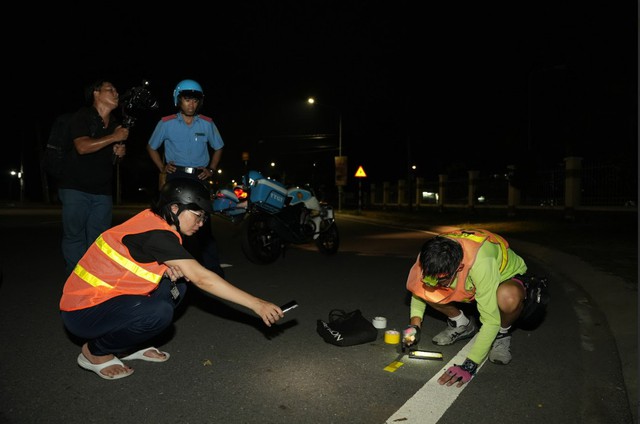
x,y
411,335
459,374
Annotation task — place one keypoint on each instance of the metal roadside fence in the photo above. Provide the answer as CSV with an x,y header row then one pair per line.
x,y
573,186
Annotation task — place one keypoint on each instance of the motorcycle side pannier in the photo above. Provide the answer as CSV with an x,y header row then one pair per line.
x,y
226,201
268,194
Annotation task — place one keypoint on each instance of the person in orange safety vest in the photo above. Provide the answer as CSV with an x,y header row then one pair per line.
x,y
461,267
124,290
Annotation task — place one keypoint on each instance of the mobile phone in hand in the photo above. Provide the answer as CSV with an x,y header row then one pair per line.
x,y
289,306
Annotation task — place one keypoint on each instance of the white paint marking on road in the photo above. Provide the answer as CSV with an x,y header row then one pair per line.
x,y
431,402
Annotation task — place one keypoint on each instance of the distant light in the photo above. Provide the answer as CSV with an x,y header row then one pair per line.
x,y
273,164
311,100
481,199
429,195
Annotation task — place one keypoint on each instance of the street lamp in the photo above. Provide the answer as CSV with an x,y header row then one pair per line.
x,y
312,101
20,175
341,163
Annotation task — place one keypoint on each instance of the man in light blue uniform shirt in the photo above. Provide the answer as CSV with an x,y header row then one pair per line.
x,y
186,138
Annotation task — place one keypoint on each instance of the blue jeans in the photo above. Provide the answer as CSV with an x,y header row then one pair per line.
x,y
125,323
84,217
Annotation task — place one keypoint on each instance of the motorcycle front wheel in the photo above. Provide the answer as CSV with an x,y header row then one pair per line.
x,y
260,244
328,241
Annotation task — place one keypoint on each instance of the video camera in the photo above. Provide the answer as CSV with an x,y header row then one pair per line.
x,y
137,98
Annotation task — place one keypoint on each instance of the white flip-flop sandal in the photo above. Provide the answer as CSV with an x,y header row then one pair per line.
x,y
96,368
140,355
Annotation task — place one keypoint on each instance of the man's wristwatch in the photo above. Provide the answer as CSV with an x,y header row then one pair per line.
x,y
469,366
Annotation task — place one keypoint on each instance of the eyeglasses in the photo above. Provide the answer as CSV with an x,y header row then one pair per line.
x,y
436,280
201,216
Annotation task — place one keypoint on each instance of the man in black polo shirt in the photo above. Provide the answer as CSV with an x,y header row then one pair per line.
x,y
85,188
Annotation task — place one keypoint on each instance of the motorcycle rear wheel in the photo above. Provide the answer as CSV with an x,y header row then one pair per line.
x,y
328,241
260,244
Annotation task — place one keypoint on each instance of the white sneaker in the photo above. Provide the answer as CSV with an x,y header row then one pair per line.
x,y
452,334
501,350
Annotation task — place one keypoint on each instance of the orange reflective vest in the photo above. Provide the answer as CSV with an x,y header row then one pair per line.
x,y
107,269
471,241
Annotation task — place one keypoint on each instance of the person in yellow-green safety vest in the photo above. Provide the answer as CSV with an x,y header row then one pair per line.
x,y
462,267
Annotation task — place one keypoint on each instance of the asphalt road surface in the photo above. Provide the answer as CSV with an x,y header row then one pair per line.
x,y
227,367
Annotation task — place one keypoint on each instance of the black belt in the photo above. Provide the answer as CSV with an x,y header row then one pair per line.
x,y
188,169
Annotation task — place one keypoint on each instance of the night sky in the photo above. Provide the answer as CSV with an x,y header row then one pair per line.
x,y
445,87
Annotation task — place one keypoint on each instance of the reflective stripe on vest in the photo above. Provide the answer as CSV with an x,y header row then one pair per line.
x,y
127,263
89,277
120,260
108,270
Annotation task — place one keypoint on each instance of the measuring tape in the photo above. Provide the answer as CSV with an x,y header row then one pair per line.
x,y
380,323
392,337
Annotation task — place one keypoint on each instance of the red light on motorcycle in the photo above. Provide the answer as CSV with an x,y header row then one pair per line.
x,y
240,193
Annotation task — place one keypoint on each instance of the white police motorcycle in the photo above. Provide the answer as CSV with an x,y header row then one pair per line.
x,y
274,216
